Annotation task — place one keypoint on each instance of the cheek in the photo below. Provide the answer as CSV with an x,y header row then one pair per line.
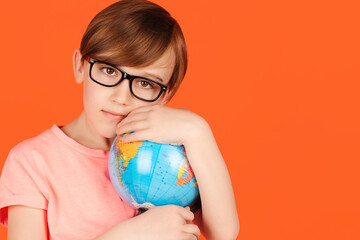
x,y
92,97
140,103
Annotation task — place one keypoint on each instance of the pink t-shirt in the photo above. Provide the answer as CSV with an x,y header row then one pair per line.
x,y
68,180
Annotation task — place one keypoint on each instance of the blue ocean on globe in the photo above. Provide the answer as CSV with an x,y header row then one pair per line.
x,y
147,174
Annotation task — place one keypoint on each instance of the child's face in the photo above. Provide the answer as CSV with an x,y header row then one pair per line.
x,y
105,107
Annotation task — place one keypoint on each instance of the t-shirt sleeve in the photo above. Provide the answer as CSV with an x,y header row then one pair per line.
x,y
22,182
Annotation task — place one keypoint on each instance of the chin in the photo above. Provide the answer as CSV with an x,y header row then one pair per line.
x,y
111,134
107,132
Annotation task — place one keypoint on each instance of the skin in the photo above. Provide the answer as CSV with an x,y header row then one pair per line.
x,y
111,111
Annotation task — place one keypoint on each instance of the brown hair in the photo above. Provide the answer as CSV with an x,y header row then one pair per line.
x,y
136,33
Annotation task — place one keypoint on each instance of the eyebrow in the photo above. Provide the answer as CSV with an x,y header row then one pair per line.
x,y
153,76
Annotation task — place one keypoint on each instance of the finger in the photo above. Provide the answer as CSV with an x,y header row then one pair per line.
x,y
189,236
188,208
192,229
133,117
132,126
187,214
143,109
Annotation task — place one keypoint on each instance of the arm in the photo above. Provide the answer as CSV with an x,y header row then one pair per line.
x,y
26,223
162,124
218,219
167,222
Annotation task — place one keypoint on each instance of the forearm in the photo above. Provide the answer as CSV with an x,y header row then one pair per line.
x,y
219,215
119,231
158,223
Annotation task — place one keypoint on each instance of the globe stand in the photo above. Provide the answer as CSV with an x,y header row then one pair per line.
x,y
196,206
193,208
141,210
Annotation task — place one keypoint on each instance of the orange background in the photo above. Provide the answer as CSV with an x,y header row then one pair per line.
x,y
278,81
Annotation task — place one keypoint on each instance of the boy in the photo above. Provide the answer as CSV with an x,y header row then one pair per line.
x,y
131,61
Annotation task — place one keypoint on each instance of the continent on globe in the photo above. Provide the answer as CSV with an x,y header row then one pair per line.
x,y
145,205
185,172
124,152
127,151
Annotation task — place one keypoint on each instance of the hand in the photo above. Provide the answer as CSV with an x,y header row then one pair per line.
x,y
166,222
161,124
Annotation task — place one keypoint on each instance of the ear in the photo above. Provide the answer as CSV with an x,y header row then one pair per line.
x,y
78,66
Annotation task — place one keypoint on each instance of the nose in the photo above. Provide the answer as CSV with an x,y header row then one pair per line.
x,y
122,94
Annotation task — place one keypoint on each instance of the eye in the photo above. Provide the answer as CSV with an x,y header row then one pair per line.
x,y
145,84
109,71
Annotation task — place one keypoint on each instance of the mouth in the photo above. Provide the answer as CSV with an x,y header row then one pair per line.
x,y
113,116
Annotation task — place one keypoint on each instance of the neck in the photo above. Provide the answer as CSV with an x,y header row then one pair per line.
x,y
81,131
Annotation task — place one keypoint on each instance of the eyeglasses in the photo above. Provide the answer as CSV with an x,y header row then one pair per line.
x,y
108,75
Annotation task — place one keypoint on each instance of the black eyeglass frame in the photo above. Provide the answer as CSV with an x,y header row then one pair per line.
x,y
124,75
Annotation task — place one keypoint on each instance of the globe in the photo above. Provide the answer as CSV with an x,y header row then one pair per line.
x,y
147,174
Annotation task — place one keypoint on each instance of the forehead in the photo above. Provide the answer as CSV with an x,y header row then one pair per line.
x,y
159,70
120,58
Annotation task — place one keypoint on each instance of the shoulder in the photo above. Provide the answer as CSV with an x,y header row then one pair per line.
x,y
32,151
37,143
29,161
